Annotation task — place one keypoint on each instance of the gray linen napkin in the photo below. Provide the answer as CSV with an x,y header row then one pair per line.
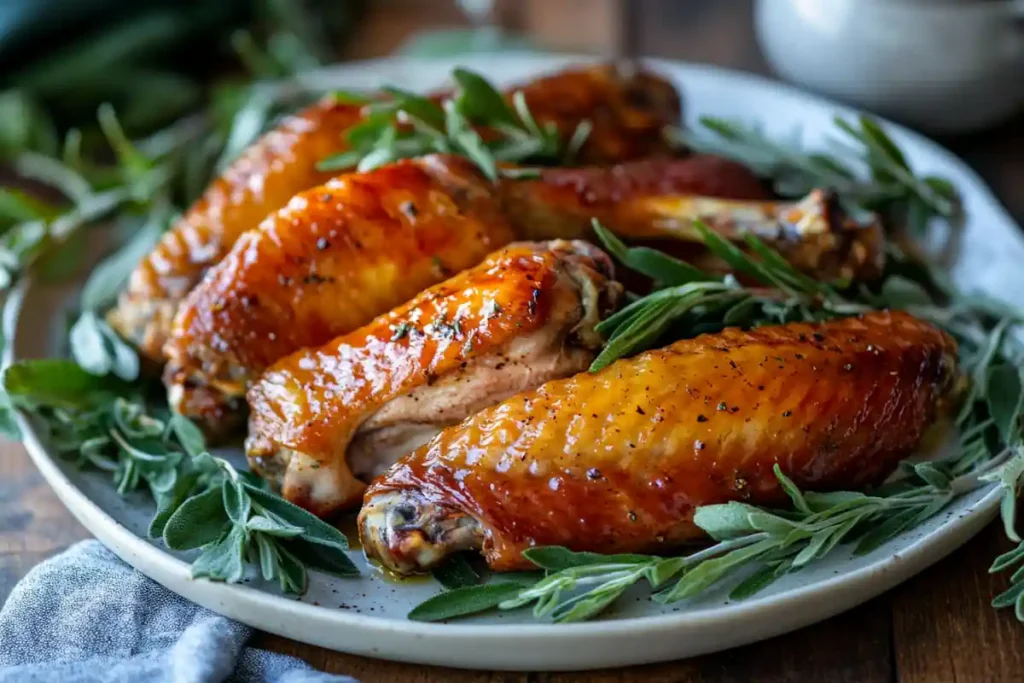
x,y
85,616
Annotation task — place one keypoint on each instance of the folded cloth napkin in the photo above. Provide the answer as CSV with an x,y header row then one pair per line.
x,y
85,616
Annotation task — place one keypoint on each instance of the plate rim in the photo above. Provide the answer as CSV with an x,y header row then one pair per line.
x,y
911,558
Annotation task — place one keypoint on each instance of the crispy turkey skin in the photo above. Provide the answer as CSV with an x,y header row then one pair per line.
x,y
628,114
617,461
325,421
342,253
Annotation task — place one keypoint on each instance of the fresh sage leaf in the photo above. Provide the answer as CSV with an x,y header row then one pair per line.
x,y
461,602
456,572
557,558
327,558
222,560
198,521
1005,397
317,531
188,434
237,502
56,382
272,527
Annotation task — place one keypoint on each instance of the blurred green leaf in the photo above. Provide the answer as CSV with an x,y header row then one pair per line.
x,y
24,125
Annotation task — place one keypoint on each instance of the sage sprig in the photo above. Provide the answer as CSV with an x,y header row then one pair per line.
x,y
476,122
689,301
202,502
867,169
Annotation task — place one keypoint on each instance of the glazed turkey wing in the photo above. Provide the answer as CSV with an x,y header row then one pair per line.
x,y
616,461
340,254
326,420
628,113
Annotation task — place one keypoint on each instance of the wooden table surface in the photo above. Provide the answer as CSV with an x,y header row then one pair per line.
x,y
935,627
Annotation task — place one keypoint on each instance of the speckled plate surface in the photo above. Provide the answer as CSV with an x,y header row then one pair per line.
x,y
367,615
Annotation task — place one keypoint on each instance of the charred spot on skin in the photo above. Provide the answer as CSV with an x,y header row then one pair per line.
x,y
787,413
594,474
322,244
640,411
699,445
631,515
722,407
316,279
701,418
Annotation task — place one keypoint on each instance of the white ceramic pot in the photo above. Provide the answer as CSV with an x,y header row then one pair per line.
x,y
942,65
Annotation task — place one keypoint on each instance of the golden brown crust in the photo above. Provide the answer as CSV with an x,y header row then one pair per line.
x,y
313,401
262,179
618,460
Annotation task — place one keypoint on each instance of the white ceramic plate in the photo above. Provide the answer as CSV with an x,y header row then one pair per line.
x,y
367,615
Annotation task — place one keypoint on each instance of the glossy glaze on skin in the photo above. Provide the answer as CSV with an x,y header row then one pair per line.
x,y
525,314
333,259
628,113
617,461
261,180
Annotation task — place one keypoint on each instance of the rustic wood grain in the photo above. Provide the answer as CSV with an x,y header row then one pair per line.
x,y
34,524
944,628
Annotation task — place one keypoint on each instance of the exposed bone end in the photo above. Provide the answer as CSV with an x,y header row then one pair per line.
x,y
409,535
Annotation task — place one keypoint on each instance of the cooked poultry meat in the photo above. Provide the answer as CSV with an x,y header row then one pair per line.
x,y
389,233
616,461
326,420
628,114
